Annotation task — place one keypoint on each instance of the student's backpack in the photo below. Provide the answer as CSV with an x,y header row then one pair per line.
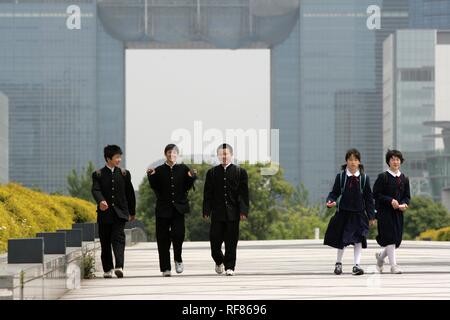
x,y
343,182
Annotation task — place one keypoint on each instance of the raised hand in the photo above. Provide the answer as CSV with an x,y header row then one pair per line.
x,y
151,171
192,173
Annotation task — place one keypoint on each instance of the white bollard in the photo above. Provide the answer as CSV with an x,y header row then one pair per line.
x,y
316,233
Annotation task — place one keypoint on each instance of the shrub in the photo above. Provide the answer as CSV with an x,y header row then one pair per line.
x,y
24,212
442,234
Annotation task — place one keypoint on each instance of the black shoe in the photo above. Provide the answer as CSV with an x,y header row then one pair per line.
x,y
357,271
338,268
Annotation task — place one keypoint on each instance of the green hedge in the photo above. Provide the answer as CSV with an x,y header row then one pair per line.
x,y
24,212
442,234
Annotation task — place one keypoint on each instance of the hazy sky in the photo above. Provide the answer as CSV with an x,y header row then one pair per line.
x,y
170,89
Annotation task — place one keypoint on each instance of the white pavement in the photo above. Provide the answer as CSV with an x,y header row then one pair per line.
x,y
291,269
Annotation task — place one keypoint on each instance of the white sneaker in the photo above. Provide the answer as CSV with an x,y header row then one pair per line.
x,y
167,273
108,274
119,272
396,269
380,262
179,267
219,268
230,272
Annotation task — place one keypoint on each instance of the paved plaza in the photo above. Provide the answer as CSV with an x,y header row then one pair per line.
x,y
290,269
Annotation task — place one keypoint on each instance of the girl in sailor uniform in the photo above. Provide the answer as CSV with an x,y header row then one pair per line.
x,y
352,196
392,197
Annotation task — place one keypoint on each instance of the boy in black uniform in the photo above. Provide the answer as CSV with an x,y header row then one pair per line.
x,y
116,204
171,183
226,200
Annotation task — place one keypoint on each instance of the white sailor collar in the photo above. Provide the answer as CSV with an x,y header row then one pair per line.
x,y
349,174
398,174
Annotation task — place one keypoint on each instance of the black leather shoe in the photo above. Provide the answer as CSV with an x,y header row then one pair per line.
x,y
357,271
338,268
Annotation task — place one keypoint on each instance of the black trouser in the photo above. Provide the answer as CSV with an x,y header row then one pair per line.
x,y
112,234
228,232
169,231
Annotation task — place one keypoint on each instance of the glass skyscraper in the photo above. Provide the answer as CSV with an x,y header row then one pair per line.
x,y
4,140
66,88
332,71
416,91
429,14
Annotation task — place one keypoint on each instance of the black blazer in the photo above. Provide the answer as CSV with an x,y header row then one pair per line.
x,y
117,190
171,187
225,195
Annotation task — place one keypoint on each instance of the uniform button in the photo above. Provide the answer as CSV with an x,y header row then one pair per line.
x,y
173,193
173,201
112,197
112,204
172,186
171,177
112,188
224,178
225,194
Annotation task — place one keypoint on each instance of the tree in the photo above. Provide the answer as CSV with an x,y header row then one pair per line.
x,y
79,185
424,214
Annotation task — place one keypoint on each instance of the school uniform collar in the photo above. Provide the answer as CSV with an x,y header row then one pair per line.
x,y
110,169
349,174
225,168
170,166
396,175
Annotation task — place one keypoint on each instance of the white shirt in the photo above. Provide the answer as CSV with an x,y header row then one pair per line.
x,y
394,174
349,174
112,169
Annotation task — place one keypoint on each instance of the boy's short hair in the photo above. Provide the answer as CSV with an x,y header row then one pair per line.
x,y
394,153
170,147
110,151
225,146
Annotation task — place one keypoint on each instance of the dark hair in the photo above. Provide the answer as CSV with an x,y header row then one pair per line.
x,y
225,146
353,152
170,147
110,151
394,153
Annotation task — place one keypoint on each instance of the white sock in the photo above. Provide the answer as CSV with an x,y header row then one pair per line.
x,y
357,253
384,253
391,254
340,254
